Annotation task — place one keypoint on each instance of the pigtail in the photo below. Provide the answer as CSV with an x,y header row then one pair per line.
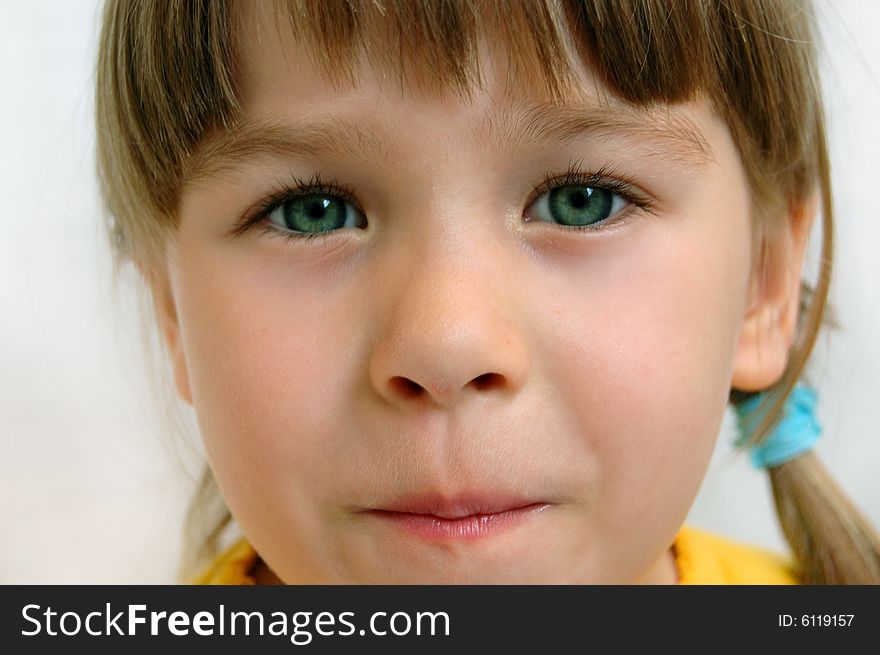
x,y
206,521
832,541
830,538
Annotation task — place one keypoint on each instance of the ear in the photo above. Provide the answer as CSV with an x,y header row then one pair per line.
x,y
774,300
158,280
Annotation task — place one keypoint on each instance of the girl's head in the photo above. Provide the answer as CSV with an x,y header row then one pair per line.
x,y
466,256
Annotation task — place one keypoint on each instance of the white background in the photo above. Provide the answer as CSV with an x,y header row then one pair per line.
x,y
89,491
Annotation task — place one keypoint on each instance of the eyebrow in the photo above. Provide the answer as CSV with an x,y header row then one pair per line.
x,y
253,139
667,134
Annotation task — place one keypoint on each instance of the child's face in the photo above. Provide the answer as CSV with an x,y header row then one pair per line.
x,y
448,338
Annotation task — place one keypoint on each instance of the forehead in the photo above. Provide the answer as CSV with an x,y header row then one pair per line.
x,y
295,97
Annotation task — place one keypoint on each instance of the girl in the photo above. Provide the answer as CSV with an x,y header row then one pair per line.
x,y
459,291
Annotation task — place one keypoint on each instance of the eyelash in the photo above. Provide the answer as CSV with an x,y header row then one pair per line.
x,y
605,178
256,217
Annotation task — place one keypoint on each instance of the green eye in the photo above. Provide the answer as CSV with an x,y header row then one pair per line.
x,y
577,205
312,213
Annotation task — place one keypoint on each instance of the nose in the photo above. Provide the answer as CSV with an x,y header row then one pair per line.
x,y
450,332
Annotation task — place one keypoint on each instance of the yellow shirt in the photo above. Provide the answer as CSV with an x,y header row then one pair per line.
x,y
700,557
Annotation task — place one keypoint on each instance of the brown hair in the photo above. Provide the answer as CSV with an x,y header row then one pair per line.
x,y
165,79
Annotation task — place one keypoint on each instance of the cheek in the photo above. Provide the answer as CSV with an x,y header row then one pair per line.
x,y
642,341
268,372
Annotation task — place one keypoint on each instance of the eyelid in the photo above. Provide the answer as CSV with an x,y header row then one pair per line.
x,y
605,178
285,191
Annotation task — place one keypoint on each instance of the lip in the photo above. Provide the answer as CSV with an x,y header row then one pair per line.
x,y
466,517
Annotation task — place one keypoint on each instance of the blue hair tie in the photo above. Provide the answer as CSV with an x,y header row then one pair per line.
x,y
796,432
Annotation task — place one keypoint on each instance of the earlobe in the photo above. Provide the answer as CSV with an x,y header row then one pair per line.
x,y
774,302
166,314
762,352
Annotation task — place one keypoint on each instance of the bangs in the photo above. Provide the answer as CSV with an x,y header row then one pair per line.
x,y
435,44
644,51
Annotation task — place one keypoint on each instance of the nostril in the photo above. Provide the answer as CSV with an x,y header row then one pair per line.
x,y
485,380
406,387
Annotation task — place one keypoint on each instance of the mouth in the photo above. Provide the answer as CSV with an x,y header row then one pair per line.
x,y
466,517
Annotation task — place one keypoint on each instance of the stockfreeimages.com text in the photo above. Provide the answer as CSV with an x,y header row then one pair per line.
x,y
300,627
